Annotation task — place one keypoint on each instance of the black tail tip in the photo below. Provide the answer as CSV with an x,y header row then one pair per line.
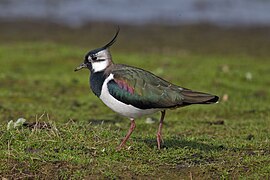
x,y
213,100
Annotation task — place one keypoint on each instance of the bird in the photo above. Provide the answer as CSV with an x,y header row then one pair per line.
x,y
134,92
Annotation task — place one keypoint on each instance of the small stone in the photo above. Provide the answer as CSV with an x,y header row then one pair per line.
x,y
225,68
13,125
118,124
19,122
225,97
10,125
248,76
149,120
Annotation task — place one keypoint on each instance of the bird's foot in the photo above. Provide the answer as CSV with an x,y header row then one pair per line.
x,y
118,148
123,143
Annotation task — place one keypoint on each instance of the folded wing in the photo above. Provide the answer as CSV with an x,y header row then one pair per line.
x,y
144,90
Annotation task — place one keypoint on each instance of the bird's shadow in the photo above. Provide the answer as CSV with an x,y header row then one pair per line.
x,y
181,143
171,142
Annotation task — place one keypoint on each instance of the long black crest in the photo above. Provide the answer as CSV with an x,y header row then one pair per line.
x,y
113,40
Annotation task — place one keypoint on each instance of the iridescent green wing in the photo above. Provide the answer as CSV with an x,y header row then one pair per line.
x,y
143,89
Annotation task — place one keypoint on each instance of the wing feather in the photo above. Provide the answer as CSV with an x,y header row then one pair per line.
x,y
144,90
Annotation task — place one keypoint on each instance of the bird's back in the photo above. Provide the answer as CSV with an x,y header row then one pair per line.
x,y
145,90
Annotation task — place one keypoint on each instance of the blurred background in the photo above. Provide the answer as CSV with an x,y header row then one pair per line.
x,y
170,23
76,13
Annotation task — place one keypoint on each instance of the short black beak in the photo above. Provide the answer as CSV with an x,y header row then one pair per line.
x,y
80,67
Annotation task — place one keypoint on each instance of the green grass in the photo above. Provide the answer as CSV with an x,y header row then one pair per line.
x,y
37,82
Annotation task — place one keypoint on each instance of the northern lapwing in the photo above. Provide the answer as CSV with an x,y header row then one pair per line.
x,y
134,92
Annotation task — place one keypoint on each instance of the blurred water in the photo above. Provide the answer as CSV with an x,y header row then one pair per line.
x,y
79,12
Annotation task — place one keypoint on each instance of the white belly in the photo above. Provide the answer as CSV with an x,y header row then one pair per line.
x,y
119,107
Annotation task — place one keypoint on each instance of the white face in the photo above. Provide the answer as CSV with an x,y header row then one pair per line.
x,y
100,61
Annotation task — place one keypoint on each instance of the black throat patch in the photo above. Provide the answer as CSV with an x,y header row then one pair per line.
x,y
96,81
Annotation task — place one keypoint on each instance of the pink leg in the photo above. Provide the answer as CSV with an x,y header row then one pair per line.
x,y
132,127
159,136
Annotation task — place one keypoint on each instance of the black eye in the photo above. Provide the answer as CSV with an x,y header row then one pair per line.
x,y
94,58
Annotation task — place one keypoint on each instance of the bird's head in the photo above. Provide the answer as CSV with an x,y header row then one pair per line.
x,y
98,59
